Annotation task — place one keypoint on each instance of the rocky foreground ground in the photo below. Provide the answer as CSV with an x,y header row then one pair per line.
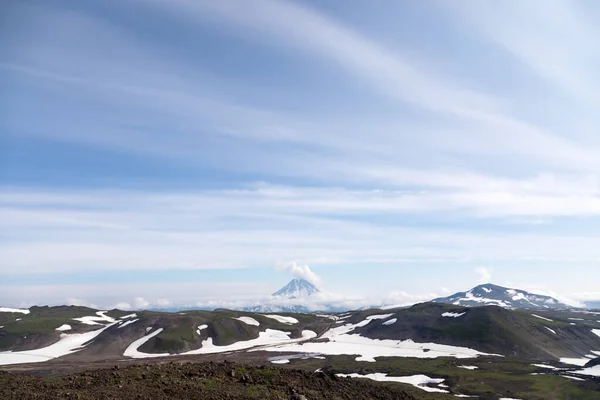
x,y
206,381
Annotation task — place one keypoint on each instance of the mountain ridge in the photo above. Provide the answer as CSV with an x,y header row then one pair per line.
x,y
490,294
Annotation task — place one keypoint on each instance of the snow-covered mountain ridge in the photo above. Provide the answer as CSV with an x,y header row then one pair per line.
x,y
490,294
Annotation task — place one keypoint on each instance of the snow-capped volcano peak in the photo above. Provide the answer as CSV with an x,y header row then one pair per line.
x,y
489,294
297,288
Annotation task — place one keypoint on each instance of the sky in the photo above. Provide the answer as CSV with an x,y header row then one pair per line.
x,y
186,152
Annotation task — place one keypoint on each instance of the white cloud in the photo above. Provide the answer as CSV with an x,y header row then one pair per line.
x,y
485,274
300,271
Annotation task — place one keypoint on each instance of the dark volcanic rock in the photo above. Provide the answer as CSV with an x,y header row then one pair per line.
x,y
194,381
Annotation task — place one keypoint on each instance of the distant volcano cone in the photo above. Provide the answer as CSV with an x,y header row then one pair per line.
x,y
297,288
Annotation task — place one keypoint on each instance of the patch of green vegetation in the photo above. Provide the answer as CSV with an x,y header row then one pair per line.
x,y
175,339
226,331
35,325
494,377
266,373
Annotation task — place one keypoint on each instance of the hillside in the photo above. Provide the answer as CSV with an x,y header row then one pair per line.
x,y
489,294
409,347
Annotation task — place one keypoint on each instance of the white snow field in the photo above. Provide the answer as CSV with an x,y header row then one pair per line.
x,y
95,319
596,332
453,315
248,320
575,361
282,319
14,310
342,343
390,322
419,381
592,371
129,316
67,344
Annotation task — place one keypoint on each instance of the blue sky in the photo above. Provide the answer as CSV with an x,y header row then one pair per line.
x,y
184,151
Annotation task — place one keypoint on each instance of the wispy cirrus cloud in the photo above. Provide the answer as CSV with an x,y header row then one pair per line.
x,y
316,136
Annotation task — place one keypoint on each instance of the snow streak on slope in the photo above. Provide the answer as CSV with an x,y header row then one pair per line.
x,y
14,310
453,315
132,349
95,320
131,321
270,337
248,320
419,381
67,344
544,318
282,319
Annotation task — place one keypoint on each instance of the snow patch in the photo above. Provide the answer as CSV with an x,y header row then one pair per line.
x,y
132,349
282,361
592,371
596,332
453,315
471,297
544,318
63,328
544,366
551,330
248,320
573,377
471,367
129,316
95,319
379,316
14,310
131,321
487,290
419,381
282,319
575,361
390,322
201,328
